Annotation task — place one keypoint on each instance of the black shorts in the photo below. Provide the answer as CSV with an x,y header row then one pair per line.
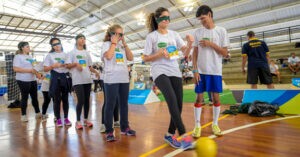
x,y
263,74
273,74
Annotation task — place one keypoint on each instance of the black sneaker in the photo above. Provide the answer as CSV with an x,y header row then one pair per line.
x,y
110,137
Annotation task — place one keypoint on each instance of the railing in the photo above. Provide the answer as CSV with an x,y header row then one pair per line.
x,y
287,34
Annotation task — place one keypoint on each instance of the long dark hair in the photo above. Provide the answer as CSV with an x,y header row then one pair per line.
x,y
111,29
151,20
51,41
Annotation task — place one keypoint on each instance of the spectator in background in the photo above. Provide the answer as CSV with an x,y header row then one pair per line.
x,y
257,53
274,70
294,63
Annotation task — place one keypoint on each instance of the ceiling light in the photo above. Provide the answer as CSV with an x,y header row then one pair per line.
x,y
141,20
105,27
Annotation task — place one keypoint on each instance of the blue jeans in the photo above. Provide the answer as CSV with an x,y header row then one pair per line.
x,y
113,92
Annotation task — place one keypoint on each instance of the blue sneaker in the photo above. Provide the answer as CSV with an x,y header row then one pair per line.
x,y
172,141
186,143
128,132
110,137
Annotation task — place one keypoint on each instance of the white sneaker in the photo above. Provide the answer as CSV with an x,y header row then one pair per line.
x,y
38,115
24,118
116,124
102,128
44,117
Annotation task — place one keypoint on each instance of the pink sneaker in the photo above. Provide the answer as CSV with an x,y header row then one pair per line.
x,y
78,126
67,122
59,123
87,123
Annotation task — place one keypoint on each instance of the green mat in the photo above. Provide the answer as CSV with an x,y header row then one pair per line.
x,y
189,96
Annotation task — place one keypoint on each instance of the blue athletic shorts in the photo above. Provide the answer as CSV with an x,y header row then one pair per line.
x,y
209,83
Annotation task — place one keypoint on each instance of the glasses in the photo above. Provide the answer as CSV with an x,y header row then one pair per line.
x,y
114,33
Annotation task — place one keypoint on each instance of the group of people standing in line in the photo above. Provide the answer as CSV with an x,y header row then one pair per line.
x,y
64,72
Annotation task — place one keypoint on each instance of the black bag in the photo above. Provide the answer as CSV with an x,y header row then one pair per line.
x,y
262,109
15,104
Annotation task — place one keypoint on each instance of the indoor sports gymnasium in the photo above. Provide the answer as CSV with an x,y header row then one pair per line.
x,y
149,78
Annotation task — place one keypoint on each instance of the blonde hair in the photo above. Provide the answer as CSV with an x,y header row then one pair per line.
x,y
111,29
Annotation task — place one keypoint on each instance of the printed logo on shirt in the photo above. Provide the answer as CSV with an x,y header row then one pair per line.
x,y
32,61
59,60
82,62
162,45
47,77
119,58
173,52
79,57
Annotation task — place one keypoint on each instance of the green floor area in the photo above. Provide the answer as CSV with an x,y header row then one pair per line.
x,y
189,96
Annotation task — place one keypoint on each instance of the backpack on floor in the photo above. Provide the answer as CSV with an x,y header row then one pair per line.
x,y
262,109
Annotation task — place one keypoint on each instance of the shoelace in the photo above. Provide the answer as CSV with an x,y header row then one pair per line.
x,y
174,139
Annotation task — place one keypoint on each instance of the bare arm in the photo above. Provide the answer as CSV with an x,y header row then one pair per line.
x,y
195,56
268,57
186,49
128,52
244,61
221,50
160,53
23,70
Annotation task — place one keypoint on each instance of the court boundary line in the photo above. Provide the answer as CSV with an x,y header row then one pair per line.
x,y
178,151
166,145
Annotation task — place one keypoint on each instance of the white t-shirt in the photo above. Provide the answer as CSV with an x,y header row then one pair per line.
x,y
273,68
84,59
154,41
26,62
292,60
115,70
46,81
101,74
209,62
94,76
54,57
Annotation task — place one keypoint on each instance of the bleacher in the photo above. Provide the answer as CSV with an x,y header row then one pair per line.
x,y
232,73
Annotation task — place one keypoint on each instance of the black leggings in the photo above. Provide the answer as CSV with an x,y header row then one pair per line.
x,y
96,85
83,92
28,88
61,94
47,100
116,109
101,83
171,88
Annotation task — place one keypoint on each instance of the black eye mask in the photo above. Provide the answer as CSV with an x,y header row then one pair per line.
x,y
56,44
167,18
113,33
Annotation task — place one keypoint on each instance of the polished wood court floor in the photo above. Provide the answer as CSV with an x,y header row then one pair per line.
x,y
280,138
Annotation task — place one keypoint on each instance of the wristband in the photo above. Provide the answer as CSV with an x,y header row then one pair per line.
x,y
195,71
114,43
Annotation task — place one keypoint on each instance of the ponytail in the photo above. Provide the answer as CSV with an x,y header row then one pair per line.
x,y
151,23
151,19
18,52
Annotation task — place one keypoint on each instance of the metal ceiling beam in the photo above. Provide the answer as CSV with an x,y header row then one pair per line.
x,y
35,33
248,27
77,5
247,15
238,3
95,11
121,13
